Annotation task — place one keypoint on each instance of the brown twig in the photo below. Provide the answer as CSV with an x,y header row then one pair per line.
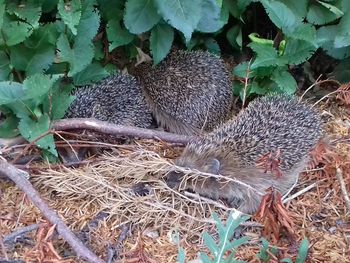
x,y
345,193
19,178
113,129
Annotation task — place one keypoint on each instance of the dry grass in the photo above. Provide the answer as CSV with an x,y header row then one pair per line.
x,y
105,184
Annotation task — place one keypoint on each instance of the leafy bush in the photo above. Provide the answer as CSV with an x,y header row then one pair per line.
x,y
49,47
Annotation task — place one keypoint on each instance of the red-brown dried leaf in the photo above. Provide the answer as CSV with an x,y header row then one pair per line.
x,y
270,162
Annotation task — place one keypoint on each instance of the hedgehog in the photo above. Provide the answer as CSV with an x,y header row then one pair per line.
x,y
233,158
188,92
117,99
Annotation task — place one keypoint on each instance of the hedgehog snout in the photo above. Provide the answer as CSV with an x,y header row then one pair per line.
x,y
173,179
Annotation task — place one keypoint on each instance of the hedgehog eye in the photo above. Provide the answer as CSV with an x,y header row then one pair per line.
x,y
213,166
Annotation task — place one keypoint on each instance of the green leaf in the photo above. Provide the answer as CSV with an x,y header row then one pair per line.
x,y
331,8
265,55
280,14
10,92
48,6
241,70
92,73
8,127
117,35
37,85
82,52
181,256
15,32
31,130
184,15
111,9
2,12
45,34
284,80
303,250
140,15
210,243
298,51
212,46
58,100
234,36
287,260
32,60
162,36
298,7
76,56
70,13
5,69
30,11
319,14
210,18
305,32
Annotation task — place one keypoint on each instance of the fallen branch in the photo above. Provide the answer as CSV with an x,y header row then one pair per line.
x,y
344,192
113,129
11,238
19,178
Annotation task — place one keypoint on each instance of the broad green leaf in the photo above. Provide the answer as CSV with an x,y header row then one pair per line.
x,y
37,85
265,55
212,46
204,258
210,18
5,69
117,35
303,250
284,80
236,8
31,130
162,36
298,8
10,92
140,15
48,6
111,9
70,13
8,127
15,32
280,14
234,36
29,11
242,70
45,34
78,56
332,8
92,73
318,14
287,260
298,51
32,60
89,23
184,15
58,100
305,32
2,12
82,52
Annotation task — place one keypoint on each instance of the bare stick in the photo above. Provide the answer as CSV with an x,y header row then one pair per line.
x,y
113,129
299,193
12,237
339,174
19,178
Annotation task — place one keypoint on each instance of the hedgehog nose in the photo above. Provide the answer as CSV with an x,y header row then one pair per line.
x,y
173,179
